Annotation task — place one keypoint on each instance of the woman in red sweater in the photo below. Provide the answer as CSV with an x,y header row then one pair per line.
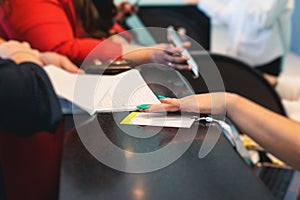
x,y
69,27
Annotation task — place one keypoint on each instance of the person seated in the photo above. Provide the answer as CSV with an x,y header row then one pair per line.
x,y
29,103
74,28
258,31
275,133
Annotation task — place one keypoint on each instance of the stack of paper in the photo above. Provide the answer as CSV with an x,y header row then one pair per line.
x,y
98,93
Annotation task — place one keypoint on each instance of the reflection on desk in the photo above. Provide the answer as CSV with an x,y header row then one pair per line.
x,y
222,174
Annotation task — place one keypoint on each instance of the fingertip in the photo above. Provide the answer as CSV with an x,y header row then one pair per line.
x,y
160,96
185,67
186,57
144,106
80,71
186,44
165,99
144,110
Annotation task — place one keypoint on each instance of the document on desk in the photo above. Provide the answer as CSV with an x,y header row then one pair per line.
x,y
159,119
101,93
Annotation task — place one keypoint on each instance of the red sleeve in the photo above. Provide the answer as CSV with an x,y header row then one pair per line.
x,y
122,32
50,25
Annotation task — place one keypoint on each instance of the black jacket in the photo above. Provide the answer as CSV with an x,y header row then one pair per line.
x,y
28,103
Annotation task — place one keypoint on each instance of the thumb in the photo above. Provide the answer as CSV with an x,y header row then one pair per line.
x,y
70,67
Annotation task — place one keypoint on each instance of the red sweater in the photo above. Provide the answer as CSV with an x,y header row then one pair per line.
x,y
51,25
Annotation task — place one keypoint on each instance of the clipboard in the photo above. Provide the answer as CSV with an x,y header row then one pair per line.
x,y
113,69
178,43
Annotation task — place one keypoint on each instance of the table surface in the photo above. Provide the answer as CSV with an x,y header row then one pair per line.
x,y
222,174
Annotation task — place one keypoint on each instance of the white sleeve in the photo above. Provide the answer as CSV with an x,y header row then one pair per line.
x,y
292,109
216,9
264,13
288,87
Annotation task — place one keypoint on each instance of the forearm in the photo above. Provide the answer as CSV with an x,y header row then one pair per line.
x,y
277,134
136,54
75,48
78,50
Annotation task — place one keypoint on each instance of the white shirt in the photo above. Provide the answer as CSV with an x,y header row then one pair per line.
x,y
259,30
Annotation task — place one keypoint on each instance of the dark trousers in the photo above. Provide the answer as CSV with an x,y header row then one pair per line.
x,y
273,67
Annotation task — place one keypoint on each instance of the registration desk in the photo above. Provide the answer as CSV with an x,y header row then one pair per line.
x,y
222,174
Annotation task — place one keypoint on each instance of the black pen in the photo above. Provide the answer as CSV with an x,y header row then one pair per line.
x,y
136,3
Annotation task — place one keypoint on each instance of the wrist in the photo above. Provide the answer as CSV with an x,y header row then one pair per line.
x,y
138,55
232,100
24,56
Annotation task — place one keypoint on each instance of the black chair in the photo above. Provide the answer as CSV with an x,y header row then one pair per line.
x,y
238,77
195,22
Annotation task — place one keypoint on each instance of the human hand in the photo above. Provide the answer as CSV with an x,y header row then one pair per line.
x,y
124,9
169,55
22,52
209,103
59,61
19,52
2,40
187,104
270,78
190,2
167,105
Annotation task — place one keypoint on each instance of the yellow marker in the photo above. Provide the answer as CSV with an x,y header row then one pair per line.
x,y
129,117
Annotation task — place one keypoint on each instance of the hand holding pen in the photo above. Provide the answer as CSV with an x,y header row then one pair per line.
x,y
124,10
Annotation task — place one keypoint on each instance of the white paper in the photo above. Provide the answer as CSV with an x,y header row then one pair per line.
x,y
95,93
159,119
128,91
